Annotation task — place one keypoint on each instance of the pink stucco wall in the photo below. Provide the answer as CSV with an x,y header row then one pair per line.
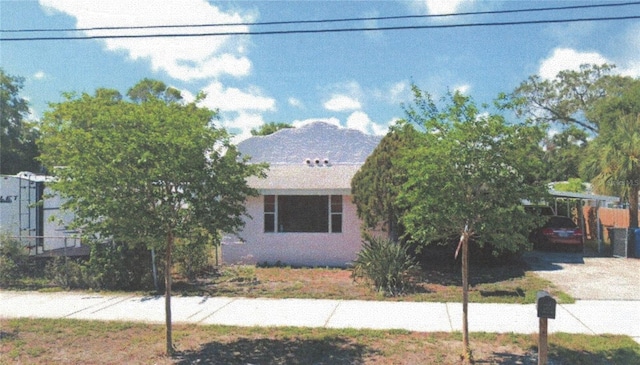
x,y
303,249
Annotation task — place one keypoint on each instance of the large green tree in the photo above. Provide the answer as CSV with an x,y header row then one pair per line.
x,y
467,177
149,170
565,99
376,186
564,153
613,162
18,150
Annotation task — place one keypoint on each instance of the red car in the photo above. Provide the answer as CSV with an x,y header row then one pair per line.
x,y
558,232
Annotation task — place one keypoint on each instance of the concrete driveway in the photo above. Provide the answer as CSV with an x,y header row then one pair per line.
x,y
588,278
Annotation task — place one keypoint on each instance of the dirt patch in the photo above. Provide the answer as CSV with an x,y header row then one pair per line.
x,y
594,278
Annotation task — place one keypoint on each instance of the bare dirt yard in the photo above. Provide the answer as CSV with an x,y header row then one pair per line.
x,y
584,277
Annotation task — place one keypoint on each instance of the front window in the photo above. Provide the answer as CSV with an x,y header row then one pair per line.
x,y
303,213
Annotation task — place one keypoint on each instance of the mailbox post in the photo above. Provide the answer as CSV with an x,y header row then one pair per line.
x,y
546,308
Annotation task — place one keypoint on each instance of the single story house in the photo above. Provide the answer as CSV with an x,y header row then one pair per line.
x,y
304,214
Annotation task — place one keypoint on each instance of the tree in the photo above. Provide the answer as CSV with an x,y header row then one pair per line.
x,y
150,170
613,161
376,186
269,128
18,150
564,153
467,177
574,185
565,99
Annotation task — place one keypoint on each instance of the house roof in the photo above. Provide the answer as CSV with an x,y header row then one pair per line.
x,y
318,140
306,180
318,158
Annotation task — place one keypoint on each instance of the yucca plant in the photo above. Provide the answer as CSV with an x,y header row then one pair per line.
x,y
387,265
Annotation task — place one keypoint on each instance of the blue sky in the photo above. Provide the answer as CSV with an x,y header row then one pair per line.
x,y
354,79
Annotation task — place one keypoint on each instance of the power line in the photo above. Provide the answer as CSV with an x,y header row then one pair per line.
x,y
323,21
311,31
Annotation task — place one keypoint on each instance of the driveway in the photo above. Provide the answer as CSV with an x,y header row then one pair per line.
x,y
588,278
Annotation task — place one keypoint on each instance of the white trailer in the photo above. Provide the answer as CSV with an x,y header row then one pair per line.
x,y
30,213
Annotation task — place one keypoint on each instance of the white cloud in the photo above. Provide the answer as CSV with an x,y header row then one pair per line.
x,y
183,58
244,122
39,75
437,7
234,99
629,64
299,123
568,59
294,102
340,103
359,120
463,89
400,92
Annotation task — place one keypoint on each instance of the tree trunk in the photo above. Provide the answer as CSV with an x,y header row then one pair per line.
x,y
466,355
167,294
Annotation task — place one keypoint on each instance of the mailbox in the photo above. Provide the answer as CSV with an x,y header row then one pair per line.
x,y
545,305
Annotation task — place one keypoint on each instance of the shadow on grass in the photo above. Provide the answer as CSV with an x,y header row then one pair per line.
x,y
333,350
504,358
616,356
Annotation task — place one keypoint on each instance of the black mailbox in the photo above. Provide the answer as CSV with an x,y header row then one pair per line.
x,y
545,305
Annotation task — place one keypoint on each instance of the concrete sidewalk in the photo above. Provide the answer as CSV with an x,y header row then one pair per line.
x,y
589,317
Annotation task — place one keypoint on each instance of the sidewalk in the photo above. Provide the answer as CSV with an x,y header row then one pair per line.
x,y
588,316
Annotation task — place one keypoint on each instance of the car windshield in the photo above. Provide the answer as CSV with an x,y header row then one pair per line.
x,y
560,222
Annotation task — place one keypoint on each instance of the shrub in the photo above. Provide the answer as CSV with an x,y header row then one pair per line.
x,y
120,266
191,256
386,264
13,260
68,273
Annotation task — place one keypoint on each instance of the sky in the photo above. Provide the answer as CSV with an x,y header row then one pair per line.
x,y
357,79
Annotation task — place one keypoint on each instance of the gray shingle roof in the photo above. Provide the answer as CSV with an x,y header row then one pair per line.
x,y
316,140
318,158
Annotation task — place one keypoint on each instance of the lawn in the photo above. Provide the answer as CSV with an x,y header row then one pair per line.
x,y
48,341
508,283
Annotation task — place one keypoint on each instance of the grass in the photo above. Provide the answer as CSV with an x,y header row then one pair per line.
x,y
509,283
49,341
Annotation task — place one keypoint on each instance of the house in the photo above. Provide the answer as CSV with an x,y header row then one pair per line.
x,y
304,214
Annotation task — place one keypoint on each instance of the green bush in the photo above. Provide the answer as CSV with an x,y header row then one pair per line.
x,y
68,273
388,265
13,260
191,256
120,266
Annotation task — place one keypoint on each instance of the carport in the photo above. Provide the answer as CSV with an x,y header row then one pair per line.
x,y
593,200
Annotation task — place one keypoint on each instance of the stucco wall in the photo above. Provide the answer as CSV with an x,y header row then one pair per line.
x,y
303,249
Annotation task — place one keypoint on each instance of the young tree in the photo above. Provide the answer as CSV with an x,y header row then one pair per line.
x,y
467,177
148,170
18,150
375,187
613,157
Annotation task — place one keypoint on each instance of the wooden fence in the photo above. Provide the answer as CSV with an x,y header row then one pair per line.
x,y
609,218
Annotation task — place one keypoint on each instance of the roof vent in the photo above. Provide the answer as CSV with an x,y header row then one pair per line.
x,y
317,161
326,161
308,161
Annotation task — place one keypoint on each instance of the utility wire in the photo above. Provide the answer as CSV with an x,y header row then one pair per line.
x,y
333,30
325,21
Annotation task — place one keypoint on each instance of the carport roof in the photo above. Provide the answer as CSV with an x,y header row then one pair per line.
x,y
584,196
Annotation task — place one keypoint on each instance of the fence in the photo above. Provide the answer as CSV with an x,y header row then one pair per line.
x,y
609,218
